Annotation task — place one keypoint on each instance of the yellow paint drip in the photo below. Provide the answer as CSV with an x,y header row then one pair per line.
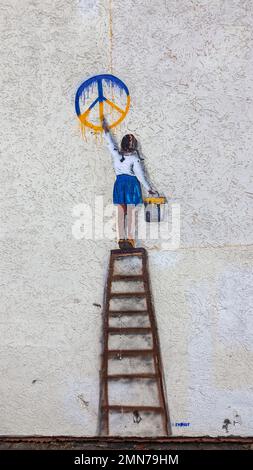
x,y
83,130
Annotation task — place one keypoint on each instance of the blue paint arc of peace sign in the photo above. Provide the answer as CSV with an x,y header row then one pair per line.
x,y
97,81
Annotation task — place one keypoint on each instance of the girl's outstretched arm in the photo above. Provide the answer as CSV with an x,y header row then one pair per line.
x,y
110,141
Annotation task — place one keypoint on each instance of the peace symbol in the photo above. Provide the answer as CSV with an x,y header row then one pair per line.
x,y
97,81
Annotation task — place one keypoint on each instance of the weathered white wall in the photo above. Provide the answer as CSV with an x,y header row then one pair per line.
x,y
188,65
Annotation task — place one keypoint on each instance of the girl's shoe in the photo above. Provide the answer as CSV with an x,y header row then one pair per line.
x,y
122,244
131,242
126,244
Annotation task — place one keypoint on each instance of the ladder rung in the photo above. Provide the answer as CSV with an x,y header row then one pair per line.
x,y
115,313
132,376
129,352
129,331
128,294
132,252
130,409
125,277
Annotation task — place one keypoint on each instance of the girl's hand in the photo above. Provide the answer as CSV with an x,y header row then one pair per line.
x,y
105,125
153,192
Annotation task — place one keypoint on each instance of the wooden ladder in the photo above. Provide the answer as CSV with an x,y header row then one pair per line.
x,y
138,410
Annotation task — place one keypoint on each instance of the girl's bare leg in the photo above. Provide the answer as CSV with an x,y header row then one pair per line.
x,y
121,221
131,221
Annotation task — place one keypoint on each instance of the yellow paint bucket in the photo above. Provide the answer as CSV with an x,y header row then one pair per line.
x,y
154,208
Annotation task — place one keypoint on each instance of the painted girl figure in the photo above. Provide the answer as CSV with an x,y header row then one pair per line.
x,y
127,189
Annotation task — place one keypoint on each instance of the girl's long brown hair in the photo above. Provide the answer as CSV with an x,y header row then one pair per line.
x,y
128,144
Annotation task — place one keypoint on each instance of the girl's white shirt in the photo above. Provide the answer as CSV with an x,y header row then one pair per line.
x,y
130,166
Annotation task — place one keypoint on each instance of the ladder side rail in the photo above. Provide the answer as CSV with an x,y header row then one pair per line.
x,y
156,347
104,399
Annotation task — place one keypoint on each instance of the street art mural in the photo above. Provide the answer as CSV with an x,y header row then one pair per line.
x,y
132,389
175,75
95,105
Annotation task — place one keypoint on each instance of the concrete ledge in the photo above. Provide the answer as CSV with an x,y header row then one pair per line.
x,y
132,443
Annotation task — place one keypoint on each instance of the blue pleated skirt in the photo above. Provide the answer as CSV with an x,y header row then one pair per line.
x,y
127,190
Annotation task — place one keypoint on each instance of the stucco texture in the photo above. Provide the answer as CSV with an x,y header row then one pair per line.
x,y
188,66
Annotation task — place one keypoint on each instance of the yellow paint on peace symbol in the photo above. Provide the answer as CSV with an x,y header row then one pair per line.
x,y
123,112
